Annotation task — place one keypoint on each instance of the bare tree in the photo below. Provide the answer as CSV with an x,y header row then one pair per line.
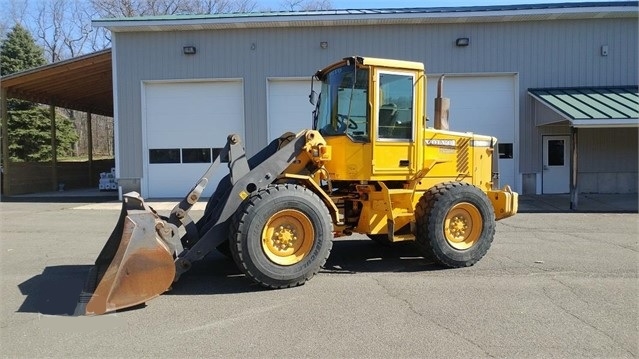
x,y
130,8
306,5
13,12
223,6
63,29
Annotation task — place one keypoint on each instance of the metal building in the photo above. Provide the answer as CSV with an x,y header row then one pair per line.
x,y
556,83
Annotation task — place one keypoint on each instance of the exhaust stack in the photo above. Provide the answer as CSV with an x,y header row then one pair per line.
x,y
442,107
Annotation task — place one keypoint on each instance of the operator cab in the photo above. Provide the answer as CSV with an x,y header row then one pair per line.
x,y
342,107
371,108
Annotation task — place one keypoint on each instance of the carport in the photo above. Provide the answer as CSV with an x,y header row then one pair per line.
x,y
82,83
586,108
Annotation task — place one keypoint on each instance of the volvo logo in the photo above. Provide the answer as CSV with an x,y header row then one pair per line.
x,y
441,143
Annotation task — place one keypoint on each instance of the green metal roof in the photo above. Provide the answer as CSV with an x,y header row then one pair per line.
x,y
593,106
347,17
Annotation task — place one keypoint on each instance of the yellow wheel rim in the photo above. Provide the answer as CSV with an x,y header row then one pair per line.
x,y
463,226
288,237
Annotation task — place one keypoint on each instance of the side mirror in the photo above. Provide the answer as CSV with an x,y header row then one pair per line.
x,y
312,98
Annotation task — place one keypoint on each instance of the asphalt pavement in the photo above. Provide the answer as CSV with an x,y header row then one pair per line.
x,y
554,284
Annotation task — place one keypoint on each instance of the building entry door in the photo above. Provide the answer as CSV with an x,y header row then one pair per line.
x,y
556,170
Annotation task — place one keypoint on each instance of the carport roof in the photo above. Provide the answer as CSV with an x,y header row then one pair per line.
x,y
593,106
82,83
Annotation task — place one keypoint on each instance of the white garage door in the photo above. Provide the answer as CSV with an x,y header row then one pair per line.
x,y
185,124
484,105
288,106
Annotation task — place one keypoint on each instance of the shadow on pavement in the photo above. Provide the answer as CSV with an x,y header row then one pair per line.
x,y
351,256
217,274
56,290
214,274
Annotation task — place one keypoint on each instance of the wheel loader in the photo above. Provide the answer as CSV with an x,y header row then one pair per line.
x,y
371,164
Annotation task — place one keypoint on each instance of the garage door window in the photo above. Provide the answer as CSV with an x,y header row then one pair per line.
x,y
185,155
196,155
164,155
216,152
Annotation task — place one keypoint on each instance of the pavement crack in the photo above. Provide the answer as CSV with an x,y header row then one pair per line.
x,y
572,290
410,306
582,320
389,293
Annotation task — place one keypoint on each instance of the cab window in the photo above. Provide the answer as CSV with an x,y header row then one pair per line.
x,y
343,105
395,121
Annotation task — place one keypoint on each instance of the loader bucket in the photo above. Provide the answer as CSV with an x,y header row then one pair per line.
x,y
135,265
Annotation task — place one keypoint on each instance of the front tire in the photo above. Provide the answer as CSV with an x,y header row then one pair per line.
x,y
455,224
281,236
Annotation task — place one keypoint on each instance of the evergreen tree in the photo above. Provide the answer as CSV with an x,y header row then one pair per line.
x,y
28,123
19,52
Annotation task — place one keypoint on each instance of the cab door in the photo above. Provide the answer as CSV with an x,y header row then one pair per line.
x,y
394,123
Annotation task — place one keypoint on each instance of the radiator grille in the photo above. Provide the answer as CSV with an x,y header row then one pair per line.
x,y
463,155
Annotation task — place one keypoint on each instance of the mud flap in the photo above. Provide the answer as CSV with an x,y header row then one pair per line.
x,y
135,265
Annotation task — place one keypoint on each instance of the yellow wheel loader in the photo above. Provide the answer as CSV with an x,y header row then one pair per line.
x,y
370,165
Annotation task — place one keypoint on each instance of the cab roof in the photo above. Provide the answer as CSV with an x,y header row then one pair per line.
x,y
374,61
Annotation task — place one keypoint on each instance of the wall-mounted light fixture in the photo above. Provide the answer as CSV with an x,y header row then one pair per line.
x,y
462,41
189,50
324,44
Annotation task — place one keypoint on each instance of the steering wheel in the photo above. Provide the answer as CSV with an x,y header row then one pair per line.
x,y
345,121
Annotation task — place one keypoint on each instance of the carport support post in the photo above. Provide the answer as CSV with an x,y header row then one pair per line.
x,y
90,145
54,150
574,195
4,114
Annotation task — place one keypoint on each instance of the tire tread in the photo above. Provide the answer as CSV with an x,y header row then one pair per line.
x,y
239,219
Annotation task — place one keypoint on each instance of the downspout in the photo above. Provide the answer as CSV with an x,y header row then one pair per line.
x,y
574,190
54,150
90,146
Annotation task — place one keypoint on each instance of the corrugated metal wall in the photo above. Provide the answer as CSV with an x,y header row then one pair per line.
x,y
543,53
608,160
608,150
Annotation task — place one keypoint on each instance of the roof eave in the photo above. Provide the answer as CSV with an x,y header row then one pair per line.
x,y
324,19
98,55
606,123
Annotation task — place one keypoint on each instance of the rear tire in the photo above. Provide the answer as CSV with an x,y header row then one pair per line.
x,y
455,224
281,236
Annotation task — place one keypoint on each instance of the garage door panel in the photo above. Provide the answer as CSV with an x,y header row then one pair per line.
x,y
194,110
483,105
288,106
480,104
477,84
176,180
187,115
